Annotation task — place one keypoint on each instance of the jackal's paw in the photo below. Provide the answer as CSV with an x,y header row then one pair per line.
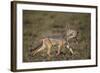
x,y
49,55
57,54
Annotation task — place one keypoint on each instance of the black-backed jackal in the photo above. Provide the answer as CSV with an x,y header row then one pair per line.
x,y
49,42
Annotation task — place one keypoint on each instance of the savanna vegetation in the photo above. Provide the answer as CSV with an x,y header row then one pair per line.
x,y
39,24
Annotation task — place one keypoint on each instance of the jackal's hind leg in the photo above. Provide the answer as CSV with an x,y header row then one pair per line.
x,y
40,49
49,51
59,49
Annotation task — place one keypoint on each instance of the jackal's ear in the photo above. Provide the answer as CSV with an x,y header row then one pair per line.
x,y
67,27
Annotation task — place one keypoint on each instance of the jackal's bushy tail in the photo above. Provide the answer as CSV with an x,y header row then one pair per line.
x,y
39,48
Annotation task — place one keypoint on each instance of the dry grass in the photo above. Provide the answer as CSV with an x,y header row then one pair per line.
x,y
37,24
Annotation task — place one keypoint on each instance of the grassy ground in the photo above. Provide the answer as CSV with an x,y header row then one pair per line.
x,y
38,24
